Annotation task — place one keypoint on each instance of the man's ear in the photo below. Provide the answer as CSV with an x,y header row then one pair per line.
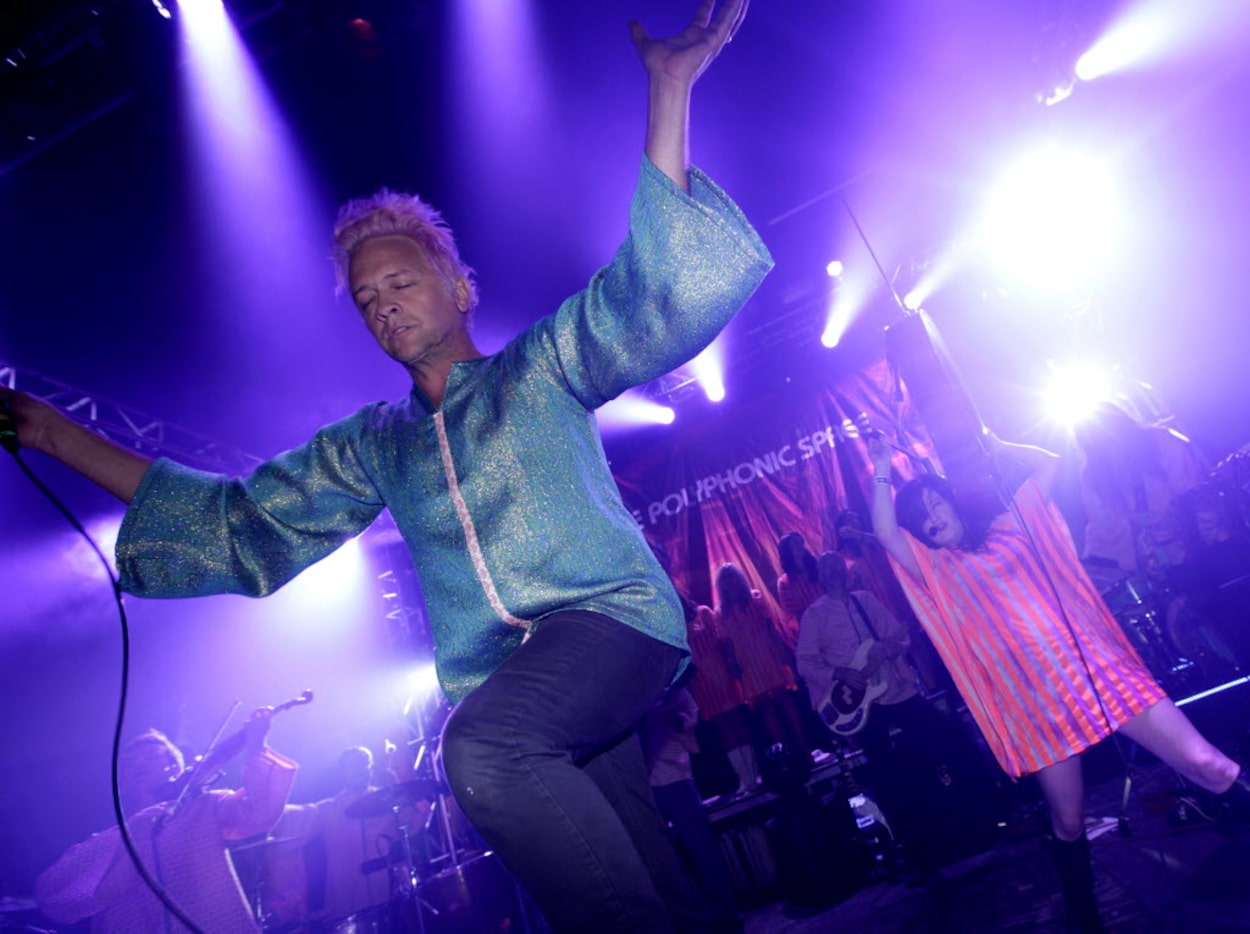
x,y
461,293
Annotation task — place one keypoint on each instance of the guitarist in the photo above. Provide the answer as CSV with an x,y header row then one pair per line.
x,y
901,732
850,639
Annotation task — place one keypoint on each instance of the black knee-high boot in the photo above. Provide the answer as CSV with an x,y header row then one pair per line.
x,y
1236,801
1076,876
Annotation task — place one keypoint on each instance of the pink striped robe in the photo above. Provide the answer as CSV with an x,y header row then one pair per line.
x,y
998,621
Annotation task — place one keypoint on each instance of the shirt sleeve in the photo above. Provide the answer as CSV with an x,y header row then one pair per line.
x,y
67,891
190,533
688,264
810,656
256,807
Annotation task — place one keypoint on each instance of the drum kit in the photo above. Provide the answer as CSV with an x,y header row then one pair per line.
x,y
1178,613
1142,610
442,878
1183,653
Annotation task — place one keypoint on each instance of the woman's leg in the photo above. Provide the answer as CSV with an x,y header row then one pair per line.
x,y
1165,731
513,751
1063,787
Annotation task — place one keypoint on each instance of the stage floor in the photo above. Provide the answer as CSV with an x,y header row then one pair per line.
x,y
1174,872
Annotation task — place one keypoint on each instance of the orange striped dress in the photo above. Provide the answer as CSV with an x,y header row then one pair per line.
x,y
1043,666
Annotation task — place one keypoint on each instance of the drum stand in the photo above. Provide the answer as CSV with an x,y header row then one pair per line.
x,y
405,880
456,860
427,767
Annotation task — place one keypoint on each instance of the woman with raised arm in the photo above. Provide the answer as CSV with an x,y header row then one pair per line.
x,y
1040,661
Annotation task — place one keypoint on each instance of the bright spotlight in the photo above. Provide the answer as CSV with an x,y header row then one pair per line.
x,y
845,303
1133,40
710,373
631,410
1075,391
339,575
421,681
842,309
1150,32
1051,220
163,10
834,269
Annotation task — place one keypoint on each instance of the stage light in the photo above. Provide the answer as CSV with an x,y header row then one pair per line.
x,y
709,371
163,10
1148,32
1051,220
1075,391
932,273
631,410
852,294
834,269
421,683
337,577
1132,40
838,319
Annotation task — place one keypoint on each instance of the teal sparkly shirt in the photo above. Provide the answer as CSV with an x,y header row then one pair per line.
x,y
503,494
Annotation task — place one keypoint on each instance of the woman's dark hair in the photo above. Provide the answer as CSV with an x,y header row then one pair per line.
x,y
910,512
732,587
796,560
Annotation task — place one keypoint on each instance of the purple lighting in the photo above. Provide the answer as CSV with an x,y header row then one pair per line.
x,y
709,371
498,83
631,410
1075,390
1052,219
1152,31
250,183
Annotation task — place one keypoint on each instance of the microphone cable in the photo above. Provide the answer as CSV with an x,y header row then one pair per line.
x,y
9,441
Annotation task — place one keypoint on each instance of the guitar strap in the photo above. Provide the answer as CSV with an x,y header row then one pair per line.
x,y
864,616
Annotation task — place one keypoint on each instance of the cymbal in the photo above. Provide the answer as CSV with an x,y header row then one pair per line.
x,y
266,841
386,800
9,903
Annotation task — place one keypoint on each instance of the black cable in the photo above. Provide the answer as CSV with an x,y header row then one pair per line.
x,y
11,446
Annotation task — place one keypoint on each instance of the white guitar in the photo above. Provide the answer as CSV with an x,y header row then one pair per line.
x,y
844,709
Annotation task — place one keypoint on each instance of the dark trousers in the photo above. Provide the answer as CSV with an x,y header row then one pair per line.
x,y
544,759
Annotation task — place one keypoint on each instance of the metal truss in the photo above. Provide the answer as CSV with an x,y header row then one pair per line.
x,y
128,427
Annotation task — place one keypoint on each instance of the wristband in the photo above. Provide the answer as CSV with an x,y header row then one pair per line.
x,y
885,480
